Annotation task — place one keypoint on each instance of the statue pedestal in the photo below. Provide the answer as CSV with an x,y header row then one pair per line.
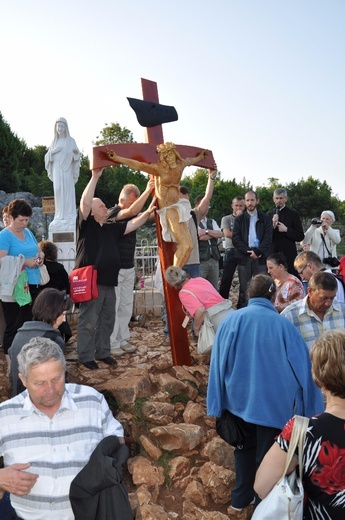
x,y
65,241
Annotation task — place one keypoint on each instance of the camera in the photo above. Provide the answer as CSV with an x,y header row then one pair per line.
x,y
315,221
332,261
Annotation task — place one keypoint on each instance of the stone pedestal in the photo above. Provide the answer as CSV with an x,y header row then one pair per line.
x,y
148,301
65,241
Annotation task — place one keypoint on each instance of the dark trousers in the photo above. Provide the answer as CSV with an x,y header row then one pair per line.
x,y
15,316
248,459
246,270
229,268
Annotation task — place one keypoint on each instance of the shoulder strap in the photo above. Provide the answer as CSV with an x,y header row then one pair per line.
x,y
189,292
297,438
324,242
194,218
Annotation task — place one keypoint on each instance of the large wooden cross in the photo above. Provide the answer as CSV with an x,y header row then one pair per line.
x,y
146,152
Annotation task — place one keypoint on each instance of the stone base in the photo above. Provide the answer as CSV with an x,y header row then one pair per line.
x,y
148,301
65,241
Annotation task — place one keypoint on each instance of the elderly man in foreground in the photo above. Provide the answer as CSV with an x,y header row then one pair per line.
x,y
318,311
48,432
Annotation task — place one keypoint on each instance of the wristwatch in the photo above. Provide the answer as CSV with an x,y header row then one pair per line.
x,y
206,231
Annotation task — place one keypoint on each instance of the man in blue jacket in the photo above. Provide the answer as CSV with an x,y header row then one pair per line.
x,y
261,372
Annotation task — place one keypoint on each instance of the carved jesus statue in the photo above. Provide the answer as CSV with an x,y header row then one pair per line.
x,y
173,215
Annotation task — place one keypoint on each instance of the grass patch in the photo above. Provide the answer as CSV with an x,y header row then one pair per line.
x,y
164,462
180,398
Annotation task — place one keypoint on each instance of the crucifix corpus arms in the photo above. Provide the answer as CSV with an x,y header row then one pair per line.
x,y
167,172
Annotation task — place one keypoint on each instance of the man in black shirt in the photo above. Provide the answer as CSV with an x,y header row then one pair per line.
x,y
287,229
97,243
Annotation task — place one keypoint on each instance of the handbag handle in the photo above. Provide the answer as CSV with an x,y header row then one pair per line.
x,y
297,437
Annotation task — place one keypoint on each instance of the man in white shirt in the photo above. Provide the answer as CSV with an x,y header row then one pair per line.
x,y
48,432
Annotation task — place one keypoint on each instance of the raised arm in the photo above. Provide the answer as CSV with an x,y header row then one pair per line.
x,y
132,163
205,202
135,223
89,192
138,204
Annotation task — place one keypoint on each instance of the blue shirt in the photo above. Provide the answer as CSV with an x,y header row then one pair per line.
x,y
27,247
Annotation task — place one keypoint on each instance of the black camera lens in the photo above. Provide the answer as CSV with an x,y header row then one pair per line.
x,y
315,221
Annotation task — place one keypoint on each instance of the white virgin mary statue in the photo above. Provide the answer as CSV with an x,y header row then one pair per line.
x,y
62,162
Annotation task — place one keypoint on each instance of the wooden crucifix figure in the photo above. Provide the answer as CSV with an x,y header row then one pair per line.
x,y
167,172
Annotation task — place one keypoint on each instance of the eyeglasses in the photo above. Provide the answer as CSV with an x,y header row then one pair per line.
x,y
301,272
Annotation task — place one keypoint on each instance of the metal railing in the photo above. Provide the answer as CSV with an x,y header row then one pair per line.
x,y
146,286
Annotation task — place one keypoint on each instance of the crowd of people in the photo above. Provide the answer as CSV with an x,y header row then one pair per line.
x,y
290,309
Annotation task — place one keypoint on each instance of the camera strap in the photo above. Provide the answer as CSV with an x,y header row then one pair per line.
x,y
324,242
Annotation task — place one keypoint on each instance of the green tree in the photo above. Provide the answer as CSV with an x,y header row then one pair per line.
x,y
309,197
115,177
114,134
10,153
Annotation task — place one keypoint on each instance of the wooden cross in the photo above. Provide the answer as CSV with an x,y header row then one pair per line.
x,y
146,152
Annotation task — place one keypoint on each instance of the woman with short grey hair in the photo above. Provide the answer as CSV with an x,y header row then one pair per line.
x,y
198,297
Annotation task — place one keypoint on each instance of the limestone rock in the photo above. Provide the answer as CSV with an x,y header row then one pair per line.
x,y
129,386
144,471
217,481
159,412
183,374
192,512
178,437
164,362
196,493
219,452
173,386
179,468
152,512
193,412
153,451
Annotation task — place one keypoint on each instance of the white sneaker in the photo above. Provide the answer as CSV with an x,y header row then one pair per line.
x,y
127,347
115,351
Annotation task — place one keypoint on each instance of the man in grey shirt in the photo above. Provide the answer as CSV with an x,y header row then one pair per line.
x,y
230,261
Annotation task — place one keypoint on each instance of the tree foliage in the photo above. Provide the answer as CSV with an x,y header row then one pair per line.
x,y
114,134
23,169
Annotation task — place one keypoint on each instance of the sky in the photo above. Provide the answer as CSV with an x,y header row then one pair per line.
x,y
261,83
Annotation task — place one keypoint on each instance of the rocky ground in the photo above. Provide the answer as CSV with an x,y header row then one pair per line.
x,y
178,468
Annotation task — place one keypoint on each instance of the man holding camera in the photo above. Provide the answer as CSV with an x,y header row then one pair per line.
x,y
287,229
323,240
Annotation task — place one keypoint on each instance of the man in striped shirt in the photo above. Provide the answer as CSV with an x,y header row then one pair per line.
x,y
318,311
48,432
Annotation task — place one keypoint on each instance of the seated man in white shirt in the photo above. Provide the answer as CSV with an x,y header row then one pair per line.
x,y
48,432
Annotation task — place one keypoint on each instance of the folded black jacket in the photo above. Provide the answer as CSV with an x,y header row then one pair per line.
x,y
97,491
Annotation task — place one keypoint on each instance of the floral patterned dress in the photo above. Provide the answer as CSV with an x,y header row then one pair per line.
x,y
288,292
323,466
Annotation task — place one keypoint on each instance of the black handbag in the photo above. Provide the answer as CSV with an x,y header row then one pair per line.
x,y
329,260
233,430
